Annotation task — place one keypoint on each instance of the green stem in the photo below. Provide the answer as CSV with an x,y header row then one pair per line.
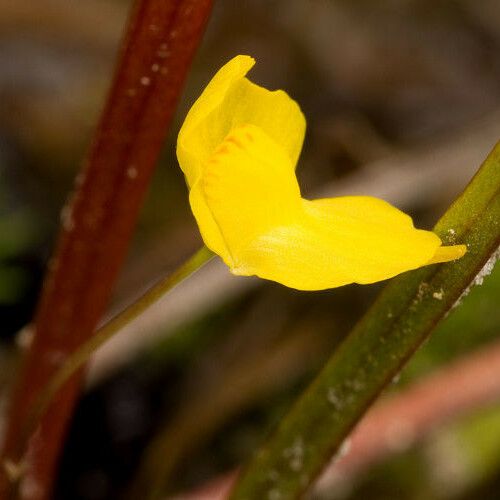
x,y
80,357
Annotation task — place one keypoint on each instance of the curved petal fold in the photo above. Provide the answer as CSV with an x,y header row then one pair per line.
x,y
229,101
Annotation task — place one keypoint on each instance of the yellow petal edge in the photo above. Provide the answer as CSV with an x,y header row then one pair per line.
x,y
238,149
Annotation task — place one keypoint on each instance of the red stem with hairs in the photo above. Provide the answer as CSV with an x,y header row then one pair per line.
x,y
158,47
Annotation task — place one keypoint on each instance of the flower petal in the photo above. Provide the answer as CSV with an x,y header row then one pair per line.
x,y
238,148
339,241
231,100
249,188
209,229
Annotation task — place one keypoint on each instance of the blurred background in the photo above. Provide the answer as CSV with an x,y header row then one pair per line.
x,y
402,100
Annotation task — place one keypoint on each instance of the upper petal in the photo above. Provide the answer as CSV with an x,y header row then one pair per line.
x,y
231,100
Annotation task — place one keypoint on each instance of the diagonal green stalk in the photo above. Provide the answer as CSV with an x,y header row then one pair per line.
x,y
399,321
81,356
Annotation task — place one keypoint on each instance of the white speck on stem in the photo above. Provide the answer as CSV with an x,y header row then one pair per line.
x,y
145,80
163,51
334,399
345,448
295,454
486,270
342,451
132,172
422,289
80,178
356,385
24,337
438,295
155,67
67,217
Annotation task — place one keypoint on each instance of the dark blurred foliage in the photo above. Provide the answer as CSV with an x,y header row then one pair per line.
x,y
375,79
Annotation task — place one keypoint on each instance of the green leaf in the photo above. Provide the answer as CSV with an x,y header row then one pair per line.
x,y
401,318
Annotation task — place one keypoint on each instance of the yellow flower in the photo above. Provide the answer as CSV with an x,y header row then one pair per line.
x,y
238,149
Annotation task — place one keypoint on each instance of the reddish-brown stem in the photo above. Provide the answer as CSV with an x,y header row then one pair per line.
x,y
98,221
403,419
